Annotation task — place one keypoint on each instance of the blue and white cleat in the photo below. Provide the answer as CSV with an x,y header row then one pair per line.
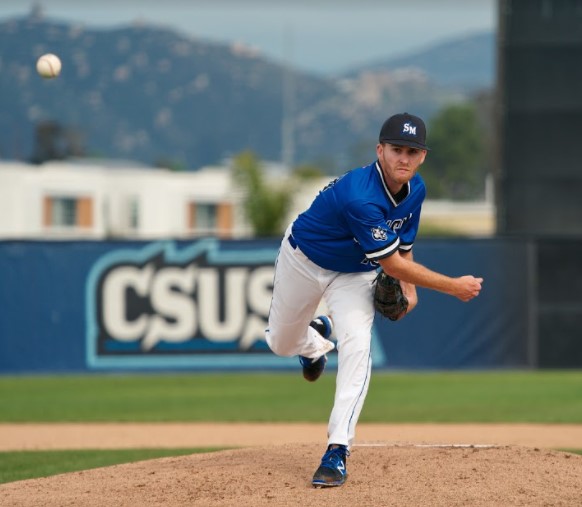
x,y
323,325
332,471
313,368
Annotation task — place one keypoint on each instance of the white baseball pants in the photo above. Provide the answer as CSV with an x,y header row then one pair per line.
x,y
299,286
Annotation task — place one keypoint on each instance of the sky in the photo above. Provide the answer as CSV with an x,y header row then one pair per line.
x,y
320,36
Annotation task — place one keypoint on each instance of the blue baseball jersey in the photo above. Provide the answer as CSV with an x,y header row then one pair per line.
x,y
355,221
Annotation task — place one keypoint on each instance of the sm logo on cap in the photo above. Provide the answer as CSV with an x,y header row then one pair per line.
x,y
409,129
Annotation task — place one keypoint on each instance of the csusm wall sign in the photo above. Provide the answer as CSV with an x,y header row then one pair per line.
x,y
163,307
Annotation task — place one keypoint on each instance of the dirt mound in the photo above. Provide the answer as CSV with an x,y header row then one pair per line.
x,y
379,475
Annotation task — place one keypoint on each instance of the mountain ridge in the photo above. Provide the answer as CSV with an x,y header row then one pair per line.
x,y
466,61
157,96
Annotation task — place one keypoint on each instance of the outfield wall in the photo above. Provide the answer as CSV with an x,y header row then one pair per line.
x,y
88,306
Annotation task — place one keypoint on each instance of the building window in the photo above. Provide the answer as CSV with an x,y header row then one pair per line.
x,y
205,217
210,218
66,212
134,213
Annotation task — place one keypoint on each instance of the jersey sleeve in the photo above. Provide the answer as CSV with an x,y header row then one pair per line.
x,y
368,225
408,232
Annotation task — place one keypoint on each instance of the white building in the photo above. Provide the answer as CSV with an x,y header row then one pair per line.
x,y
105,200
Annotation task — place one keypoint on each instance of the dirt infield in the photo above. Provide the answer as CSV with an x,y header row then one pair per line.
x,y
391,465
14,437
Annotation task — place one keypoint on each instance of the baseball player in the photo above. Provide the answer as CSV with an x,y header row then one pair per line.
x,y
365,220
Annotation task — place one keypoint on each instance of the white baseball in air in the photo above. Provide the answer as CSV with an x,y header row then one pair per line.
x,y
49,66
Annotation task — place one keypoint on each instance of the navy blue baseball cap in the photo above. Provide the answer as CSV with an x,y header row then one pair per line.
x,y
404,130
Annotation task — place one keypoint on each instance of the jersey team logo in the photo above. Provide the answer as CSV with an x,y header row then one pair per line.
x,y
379,234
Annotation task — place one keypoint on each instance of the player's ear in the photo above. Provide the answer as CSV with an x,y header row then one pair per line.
x,y
378,150
424,152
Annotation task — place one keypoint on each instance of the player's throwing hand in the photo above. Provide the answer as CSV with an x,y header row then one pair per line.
x,y
466,287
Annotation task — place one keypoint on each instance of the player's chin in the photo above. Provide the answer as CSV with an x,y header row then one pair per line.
x,y
404,176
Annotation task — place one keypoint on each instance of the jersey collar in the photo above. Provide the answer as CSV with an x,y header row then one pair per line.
x,y
394,199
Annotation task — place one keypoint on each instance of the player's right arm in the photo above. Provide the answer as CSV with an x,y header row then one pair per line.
x,y
465,287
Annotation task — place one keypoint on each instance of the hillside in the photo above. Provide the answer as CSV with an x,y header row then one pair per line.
x,y
465,63
151,94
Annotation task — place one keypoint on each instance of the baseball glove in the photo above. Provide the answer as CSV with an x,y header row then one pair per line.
x,y
389,300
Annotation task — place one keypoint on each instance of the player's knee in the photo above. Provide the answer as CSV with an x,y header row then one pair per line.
x,y
278,344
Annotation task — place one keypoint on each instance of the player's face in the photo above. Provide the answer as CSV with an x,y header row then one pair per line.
x,y
399,163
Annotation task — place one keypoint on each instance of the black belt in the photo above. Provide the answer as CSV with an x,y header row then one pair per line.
x,y
292,242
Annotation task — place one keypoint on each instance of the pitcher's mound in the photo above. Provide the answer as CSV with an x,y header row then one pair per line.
x,y
402,475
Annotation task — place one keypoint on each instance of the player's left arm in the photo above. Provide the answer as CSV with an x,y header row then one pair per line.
x,y
409,289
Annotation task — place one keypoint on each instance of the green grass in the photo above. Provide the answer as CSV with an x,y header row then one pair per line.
x,y
542,397
535,397
573,451
16,466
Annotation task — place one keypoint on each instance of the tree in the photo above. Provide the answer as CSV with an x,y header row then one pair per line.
x,y
306,172
455,166
266,204
170,164
52,141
